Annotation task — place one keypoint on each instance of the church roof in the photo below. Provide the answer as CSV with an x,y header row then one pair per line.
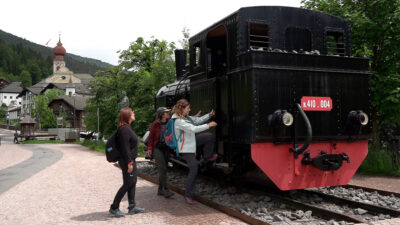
x,y
59,51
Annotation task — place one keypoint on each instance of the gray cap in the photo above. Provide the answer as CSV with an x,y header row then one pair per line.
x,y
162,110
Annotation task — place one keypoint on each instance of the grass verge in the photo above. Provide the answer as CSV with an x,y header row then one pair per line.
x,y
100,146
43,142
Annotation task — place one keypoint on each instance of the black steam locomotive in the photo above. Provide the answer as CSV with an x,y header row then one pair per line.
x,y
290,99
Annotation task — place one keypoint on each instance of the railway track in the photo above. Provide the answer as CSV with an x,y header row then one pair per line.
x,y
258,205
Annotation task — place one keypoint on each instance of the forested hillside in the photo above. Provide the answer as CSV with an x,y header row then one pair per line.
x,y
22,60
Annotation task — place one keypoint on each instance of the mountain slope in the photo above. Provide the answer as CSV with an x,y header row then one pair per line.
x,y
75,63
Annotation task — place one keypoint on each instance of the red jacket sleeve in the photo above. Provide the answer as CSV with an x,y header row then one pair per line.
x,y
150,142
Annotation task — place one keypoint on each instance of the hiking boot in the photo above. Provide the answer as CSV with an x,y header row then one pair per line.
x,y
135,210
189,201
116,212
166,193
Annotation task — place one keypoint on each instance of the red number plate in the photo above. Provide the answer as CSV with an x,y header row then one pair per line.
x,y
312,103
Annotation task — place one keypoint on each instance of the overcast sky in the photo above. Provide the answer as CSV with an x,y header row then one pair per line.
x,y
98,29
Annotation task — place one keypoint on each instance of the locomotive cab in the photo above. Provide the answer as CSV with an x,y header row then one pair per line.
x,y
290,99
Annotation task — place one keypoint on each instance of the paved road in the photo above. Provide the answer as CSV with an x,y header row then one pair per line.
x,y
41,159
79,188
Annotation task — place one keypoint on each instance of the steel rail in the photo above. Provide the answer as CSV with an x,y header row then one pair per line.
x,y
323,213
369,207
221,208
381,192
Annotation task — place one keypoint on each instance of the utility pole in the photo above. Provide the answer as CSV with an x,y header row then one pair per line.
x,y
98,124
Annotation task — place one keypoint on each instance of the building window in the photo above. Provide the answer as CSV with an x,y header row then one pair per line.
x,y
11,97
297,39
335,43
258,36
19,103
5,97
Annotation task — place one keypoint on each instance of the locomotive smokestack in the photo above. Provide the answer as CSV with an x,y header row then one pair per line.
x,y
180,62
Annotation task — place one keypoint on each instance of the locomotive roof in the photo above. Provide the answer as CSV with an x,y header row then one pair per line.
x,y
253,12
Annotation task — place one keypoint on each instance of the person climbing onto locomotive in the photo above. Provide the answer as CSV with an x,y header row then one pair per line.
x,y
204,140
156,146
128,145
186,127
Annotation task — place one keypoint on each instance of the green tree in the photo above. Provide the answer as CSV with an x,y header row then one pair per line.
x,y
144,67
107,87
376,34
185,40
3,109
34,70
42,112
26,78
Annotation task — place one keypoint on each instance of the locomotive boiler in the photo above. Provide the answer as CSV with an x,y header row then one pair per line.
x,y
290,100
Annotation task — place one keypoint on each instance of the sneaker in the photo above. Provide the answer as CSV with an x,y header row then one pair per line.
x,y
168,193
116,212
213,157
189,201
135,210
165,192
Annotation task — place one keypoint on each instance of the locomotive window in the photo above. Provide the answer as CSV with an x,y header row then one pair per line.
x,y
297,39
335,43
197,54
258,36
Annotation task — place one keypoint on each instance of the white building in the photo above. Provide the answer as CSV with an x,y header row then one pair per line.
x,y
14,113
9,94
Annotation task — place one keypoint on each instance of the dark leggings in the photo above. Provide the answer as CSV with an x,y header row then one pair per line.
x,y
207,141
129,186
161,156
193,167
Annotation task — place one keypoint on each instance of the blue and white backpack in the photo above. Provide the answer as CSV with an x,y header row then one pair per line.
x,y
170,138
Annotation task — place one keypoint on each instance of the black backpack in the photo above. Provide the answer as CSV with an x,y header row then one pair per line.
x,y
112,151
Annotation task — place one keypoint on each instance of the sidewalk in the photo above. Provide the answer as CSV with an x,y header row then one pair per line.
x,y
79,188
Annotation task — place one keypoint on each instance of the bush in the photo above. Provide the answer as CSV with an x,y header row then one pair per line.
x,y
378,162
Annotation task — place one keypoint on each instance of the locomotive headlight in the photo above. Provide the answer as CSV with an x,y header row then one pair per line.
x,y
279,118
358,117
363,118
287,119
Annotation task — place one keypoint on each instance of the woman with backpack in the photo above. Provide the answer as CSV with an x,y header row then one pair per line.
x,y
127,145
156,145
185,132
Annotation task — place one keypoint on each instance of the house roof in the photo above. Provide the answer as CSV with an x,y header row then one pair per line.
x,y
77,102
34,90
27,119
18,108
3,82
79,88
14,87
84,77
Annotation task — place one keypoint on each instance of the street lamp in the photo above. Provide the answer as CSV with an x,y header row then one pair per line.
x,y
29,103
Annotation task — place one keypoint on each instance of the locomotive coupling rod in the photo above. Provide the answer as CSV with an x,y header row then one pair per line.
x,y
299,150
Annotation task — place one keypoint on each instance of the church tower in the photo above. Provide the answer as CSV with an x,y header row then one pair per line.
x,y
59,52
